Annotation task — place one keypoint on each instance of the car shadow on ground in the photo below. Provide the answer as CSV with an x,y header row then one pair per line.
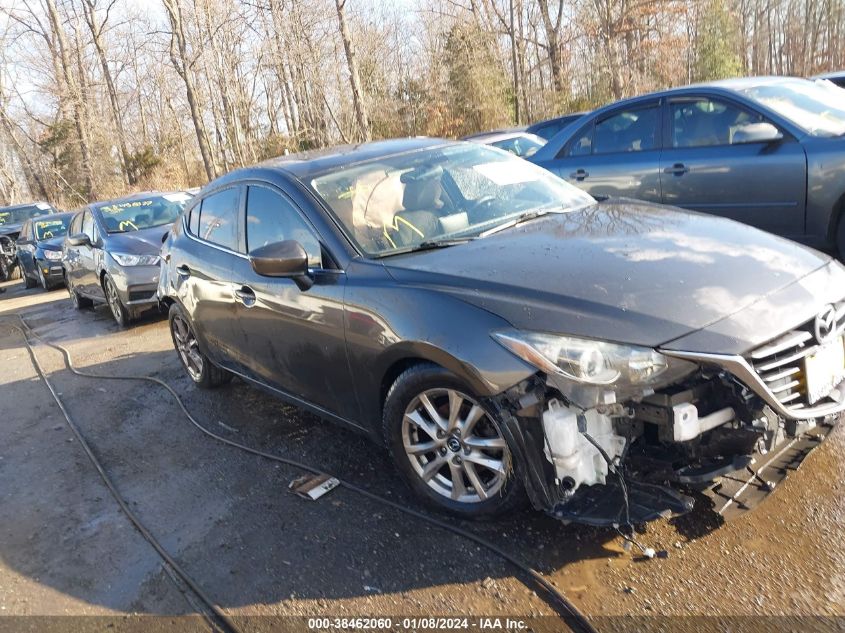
x,y
227,515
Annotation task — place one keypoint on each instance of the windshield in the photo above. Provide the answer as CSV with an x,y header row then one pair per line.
x,y
22,214
53,227
393,204
142,213
814,107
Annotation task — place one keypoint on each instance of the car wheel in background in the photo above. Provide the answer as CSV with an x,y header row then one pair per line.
x,y
448,446
202,371
42,281
840,237
27,282
119,311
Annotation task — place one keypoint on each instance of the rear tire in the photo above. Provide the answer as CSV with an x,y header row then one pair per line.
x,y
203,373
840,237
77,301
438,434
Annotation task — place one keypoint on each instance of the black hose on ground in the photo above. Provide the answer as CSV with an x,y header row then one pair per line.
x,y
570,614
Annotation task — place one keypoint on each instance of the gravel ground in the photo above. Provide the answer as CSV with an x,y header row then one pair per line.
x,y
258,550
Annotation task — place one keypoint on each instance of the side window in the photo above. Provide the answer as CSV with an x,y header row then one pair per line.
x,y
76,225
627,131
270,217
26,230
218,222
88,225
583,143
706,122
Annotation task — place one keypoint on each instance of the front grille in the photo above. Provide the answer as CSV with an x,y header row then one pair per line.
x,y
780,363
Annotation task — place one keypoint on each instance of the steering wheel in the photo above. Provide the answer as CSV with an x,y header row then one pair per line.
x,y
481,208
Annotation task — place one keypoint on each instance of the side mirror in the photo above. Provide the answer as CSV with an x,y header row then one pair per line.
x,y
283,259
757,133
79,239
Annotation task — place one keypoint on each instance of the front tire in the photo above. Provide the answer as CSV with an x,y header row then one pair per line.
x,y
203,373
119,311
27,282
448,446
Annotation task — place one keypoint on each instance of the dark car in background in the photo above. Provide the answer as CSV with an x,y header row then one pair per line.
x,y
837,78
39,250
769,152
11,220
111,252
520,144
549,127
504,334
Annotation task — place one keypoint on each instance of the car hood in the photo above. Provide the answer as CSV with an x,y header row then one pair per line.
x,y
10,229
52,244
622,271
143,242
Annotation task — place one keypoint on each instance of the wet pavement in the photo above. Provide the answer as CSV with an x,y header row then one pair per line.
x,y
258,550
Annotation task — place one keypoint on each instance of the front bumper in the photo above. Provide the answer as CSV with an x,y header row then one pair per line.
x,y
136,285
53,271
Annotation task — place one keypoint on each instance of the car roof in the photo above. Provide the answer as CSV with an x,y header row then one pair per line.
x,y
493,137
306,165
836,74
475,136
141,195
56,216
25,205
555,119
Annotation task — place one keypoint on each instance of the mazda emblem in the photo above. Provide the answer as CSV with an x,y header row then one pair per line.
x,y
825,325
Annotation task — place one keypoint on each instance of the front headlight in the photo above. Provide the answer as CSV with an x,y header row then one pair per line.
x,y
53,256
594,362
135,260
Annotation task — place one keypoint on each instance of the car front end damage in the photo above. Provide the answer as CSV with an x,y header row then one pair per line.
x,y
727,426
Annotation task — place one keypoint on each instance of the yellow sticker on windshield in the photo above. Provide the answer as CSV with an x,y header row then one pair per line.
x,y
120,206
126,224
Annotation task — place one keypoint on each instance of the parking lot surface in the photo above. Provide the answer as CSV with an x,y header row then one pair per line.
x,y
228,518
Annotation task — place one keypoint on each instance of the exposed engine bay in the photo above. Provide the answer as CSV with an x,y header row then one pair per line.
x,y
629,463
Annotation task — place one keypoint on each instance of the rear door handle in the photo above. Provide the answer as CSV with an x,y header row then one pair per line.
x,y
678,169
246,296
579,174
183,270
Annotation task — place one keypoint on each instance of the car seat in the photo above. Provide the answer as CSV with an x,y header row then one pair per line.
x,y
418,221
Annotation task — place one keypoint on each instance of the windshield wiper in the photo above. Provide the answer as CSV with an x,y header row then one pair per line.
x,y
428,245
527,216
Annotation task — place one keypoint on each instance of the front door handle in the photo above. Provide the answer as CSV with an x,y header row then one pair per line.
x,y
579,174
678,169
246,296
183,271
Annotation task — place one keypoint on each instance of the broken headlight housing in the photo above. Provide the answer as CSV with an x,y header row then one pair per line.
x,y
627,370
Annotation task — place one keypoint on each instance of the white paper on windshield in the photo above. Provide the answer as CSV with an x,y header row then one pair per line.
x,y
176,197
507,172
42,205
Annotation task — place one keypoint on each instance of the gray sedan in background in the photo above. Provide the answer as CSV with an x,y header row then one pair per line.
x,y
767,151
111,252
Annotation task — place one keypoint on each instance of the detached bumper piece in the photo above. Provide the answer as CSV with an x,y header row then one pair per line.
x,y
604,506
738,492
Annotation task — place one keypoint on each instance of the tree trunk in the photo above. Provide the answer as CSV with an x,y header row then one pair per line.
x,y
178,56
89,7
354,78
71,84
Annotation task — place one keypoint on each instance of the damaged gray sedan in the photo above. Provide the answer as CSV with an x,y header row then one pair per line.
x,y
506,336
